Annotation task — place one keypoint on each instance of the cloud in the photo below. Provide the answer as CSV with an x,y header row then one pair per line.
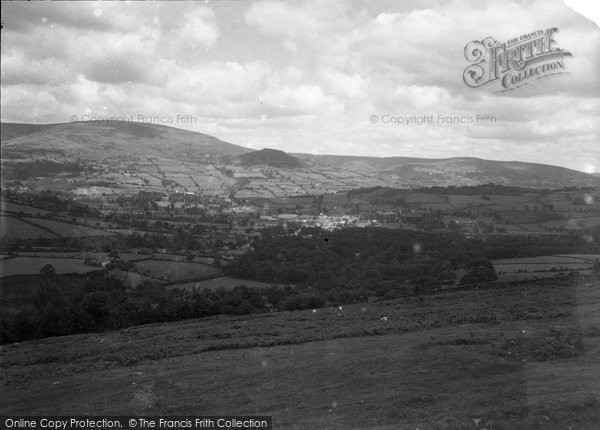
x,y
278,18
197,31
305,76
421,98
345,85
303,99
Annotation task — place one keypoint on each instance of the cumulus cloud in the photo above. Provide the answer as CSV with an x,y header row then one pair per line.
x,y
306,76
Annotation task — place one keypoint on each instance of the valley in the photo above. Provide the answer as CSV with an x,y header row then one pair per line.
x,y
144,269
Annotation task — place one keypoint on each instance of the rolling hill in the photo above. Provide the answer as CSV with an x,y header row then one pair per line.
x,y
11,130
108,140
458,171
97,141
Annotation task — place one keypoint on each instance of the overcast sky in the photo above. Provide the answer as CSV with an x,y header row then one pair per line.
x,y
306,76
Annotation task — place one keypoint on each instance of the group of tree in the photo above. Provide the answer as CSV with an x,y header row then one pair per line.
x,y
102,303
52,201
365,260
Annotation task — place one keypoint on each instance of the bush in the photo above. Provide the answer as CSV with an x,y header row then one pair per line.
x,y
479,271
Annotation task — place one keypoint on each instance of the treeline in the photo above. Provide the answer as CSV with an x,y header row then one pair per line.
x,y
484,189
178,238
397,197
390,194
351,263
517,246
53,201
358,262
104,303
144,200
497,190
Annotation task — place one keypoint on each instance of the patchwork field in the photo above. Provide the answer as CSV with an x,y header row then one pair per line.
x,y
133,279
15,228
18,208
523,276
32,265
517,358
146,268
67,229
543,266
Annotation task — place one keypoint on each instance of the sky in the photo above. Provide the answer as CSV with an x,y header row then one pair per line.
x,y
325,77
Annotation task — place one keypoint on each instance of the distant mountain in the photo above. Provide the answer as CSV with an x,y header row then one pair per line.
x,y
98,141
270,157
457,171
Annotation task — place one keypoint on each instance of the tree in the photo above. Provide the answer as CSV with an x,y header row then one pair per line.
x,y
47,292
446,275
48,272
479,271
97,305
425,283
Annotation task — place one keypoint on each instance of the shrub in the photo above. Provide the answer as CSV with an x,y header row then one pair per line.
x,y
479,271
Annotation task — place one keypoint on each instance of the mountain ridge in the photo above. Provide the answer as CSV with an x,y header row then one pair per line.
x,y
111,139
93,140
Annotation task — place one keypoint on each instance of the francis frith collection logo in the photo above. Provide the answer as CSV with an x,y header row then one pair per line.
x,y
515,63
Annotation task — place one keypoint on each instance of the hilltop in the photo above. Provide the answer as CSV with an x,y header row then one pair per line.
x,y
270,157
98,141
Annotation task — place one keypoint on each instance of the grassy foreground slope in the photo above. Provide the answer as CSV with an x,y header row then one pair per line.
x,y
526,357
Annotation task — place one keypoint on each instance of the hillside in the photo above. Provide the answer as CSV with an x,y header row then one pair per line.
x,y
132,141
269,157
502,358
11,130
457,171
97,141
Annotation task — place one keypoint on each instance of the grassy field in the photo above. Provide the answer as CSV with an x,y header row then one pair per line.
x,y
153,271
32,265
15,228
523,276
67,229
543,266
133,279
517,358
44,254
176,270
18,208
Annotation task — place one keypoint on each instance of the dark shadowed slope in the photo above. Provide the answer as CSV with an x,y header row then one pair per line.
x,y
271,157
